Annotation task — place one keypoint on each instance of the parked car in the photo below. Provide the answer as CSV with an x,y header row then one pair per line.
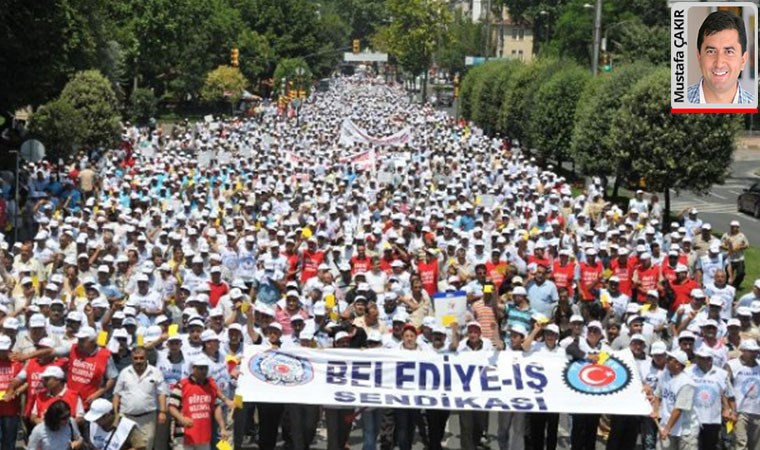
x,y
749,200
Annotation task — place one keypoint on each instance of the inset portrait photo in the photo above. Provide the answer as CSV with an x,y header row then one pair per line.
x,y
714,57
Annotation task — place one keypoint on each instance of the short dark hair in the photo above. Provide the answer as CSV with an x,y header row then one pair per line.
x,y
55,414
719,21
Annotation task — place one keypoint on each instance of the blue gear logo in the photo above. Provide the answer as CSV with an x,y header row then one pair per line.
x,y
597,379
281,369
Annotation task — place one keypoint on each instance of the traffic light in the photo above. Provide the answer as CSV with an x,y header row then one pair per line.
x,y
234,57
357,46
606,62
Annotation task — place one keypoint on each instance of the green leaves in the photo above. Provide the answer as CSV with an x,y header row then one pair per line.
x,y
91,94
224,83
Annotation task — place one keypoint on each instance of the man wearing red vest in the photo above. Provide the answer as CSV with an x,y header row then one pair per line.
x,y
645,278
361,262
496,268
563,272
55,389
590,277
194,404
622,267
32,374
89,367
681,288
428,270
10,406
311,258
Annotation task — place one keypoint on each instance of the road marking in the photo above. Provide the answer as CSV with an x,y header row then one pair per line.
x,y
719,196
736,193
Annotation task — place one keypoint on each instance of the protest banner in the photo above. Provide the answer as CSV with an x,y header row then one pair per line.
x,y
484,381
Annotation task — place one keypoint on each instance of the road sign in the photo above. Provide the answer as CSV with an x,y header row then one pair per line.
x,y
474,60
32,150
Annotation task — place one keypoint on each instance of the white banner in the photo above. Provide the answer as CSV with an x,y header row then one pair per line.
x,y
450,306
362,161
486,381
351,134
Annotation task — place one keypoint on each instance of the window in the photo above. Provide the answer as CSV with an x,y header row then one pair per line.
x,y
514,33
522,33
520,55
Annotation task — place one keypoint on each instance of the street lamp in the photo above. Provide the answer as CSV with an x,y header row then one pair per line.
x,y
545,13
597,34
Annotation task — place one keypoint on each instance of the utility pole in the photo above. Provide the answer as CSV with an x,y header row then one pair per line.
x,y
597,36
488,30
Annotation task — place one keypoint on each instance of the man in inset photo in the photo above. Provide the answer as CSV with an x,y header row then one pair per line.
x,y
722,54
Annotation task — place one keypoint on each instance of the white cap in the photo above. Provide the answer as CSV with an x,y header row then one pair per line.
x,y
53,371
715,301
552,327
202,361
638,337
576,318
46,342
374,336
658,348
86,333
341,335
5,342
681,268
704,351
680,356
653,293
209,335
11,323
595,324
698,293
519,290
37,321
749,344
99,408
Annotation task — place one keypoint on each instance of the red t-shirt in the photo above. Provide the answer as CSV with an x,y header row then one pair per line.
x,y
360,264
625,274
429,275
648,279
216,291
563,276
198,403
8,371
310,262
590,276
86,372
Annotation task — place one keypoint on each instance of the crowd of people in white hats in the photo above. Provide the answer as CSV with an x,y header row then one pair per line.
x,y
148,271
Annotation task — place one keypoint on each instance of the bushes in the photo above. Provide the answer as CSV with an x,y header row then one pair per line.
x,y
616,124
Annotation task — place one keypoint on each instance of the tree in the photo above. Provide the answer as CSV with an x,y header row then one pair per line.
x,y
224,83
592,147
418,26
466,38
467,90
59,126
488,93
672,151
287,69
91,94
142,105
552,116
518,97
44,43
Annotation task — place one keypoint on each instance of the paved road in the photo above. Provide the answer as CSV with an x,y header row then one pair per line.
x,y
451,440
719,206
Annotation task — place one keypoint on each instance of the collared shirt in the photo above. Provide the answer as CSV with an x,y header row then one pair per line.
x,y
695,94
139,393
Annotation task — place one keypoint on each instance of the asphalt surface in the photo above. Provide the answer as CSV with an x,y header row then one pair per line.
x,y
718,207
451,439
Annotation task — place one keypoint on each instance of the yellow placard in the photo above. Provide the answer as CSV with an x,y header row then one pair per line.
x,y
330,301
645,308
103,338
140,340
238,402
2,395
487,289
448,319
229,358
542,320
729,427
245,307
603,357
223,445
306,233
173,330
